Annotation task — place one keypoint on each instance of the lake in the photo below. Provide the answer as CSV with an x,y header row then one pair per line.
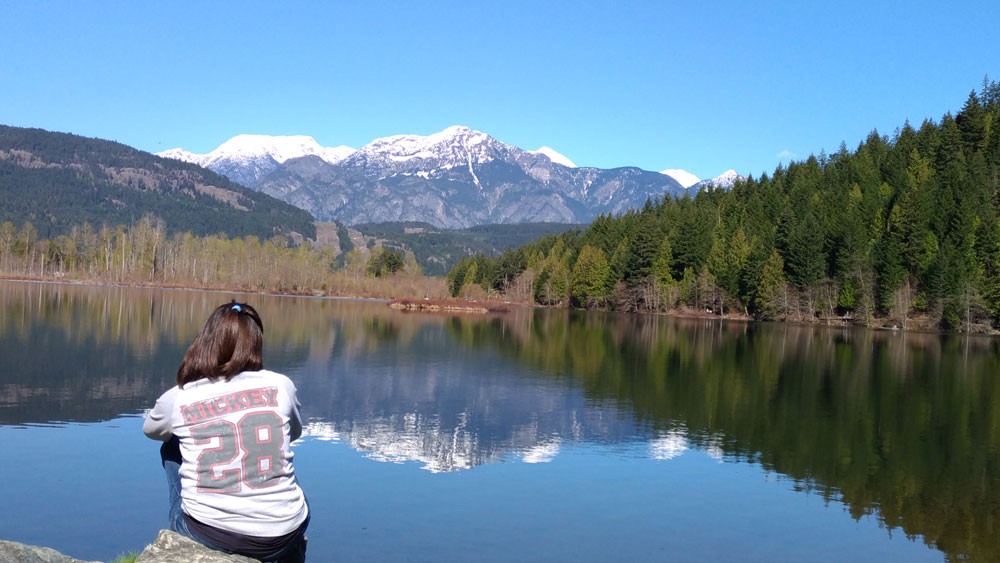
x,y
535,435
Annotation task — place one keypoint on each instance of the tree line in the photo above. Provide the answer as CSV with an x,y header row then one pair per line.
x,y
146,253
903,231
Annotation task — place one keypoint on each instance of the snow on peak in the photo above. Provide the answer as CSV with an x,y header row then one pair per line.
x,y
683,177
725,181
401,148
727,178
280,148
403,142
182,155
555,156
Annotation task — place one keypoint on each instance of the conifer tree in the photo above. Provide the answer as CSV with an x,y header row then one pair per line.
x,y
589,278
769,299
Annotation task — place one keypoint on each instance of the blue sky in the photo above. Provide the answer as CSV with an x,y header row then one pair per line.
x,y
704,86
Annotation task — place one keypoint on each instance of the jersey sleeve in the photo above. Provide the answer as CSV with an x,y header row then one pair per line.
x,y
295,422
157,424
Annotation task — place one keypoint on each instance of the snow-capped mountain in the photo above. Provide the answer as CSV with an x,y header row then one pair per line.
x,y
456,178
182,155
725,181
247,158
555,156
685,178
456,146
279,148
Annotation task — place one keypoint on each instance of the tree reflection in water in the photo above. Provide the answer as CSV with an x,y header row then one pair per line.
x,y
902,427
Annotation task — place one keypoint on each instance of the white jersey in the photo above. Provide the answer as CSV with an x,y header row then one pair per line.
x,y
235,441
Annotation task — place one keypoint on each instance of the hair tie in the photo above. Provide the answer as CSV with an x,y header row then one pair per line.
x,y
236,307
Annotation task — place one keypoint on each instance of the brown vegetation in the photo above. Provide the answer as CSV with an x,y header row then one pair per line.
x,y
448,306
143,255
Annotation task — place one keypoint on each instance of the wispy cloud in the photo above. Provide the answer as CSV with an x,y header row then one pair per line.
x,y
787,155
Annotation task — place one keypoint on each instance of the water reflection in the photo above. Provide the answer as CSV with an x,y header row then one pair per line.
x,y
421,396
901,427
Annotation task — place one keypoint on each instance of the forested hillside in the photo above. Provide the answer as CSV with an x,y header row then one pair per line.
x,y
57,181
437,250
902,230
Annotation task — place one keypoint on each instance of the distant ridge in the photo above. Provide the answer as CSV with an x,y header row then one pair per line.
x,y
455,178
246,158
59,180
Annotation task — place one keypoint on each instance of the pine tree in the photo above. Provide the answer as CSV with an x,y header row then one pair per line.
x,y
769,299
662,276
643,246
589,279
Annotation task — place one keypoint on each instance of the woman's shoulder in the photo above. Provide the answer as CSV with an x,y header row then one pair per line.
x,y
270,378
170,393
266,374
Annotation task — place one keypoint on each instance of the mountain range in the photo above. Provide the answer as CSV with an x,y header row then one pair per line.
x,y
456,178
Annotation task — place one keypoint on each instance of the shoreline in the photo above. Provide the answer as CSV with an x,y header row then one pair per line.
x,y
448,306
462,306
177,287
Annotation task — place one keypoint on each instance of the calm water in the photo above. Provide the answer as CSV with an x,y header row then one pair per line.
x,y
533,436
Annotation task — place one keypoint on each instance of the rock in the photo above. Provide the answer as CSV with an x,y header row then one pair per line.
x,y
171,547
13,552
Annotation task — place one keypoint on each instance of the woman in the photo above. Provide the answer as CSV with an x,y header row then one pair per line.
x,y
226,428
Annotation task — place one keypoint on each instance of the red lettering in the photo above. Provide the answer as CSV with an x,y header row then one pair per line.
x,y
229,403
270,396
190,413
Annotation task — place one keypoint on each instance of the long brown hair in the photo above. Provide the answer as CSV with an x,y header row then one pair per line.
x,y
229,343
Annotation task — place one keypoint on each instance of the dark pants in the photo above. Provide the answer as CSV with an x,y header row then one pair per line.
x,y
170,454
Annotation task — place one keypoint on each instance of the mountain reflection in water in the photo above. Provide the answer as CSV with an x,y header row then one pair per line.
x,y
902,427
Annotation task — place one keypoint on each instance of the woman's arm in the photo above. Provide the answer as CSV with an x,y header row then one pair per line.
x,y
157,424
295,424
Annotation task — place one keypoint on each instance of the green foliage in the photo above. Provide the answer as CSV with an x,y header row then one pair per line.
x,y
509,265
643,246
590,277
900,226
456,276
661,263
384,262
344,239
768,300
551,283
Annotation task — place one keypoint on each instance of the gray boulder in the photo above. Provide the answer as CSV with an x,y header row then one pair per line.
x,y
171,547
13,552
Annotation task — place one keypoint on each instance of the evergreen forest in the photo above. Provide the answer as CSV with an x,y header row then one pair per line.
x,y
903,231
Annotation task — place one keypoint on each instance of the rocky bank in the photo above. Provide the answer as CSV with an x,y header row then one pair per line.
x,y
169,547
